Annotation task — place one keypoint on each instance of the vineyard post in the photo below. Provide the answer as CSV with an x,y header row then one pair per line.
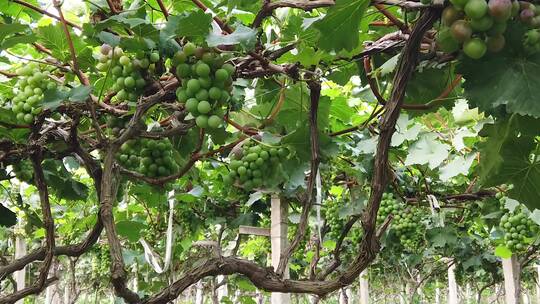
x,y
20,276
452,285
222,290
363,288
278,238
511,280
199,296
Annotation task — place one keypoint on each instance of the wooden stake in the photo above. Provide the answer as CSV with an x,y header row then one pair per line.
x,y
363,293
511,280
452,285
278,238
20,276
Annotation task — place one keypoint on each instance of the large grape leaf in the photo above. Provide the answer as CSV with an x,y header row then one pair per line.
x,y
427,150
194,24
509,78
54,38
511,156
242,35
339,28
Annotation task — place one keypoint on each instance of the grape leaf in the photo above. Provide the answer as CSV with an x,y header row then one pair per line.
x,y
442,236
9,29
427,150
52,99
506,79
339,28
503,252
194,24
54,38
458,165
242,35
131,230
506,158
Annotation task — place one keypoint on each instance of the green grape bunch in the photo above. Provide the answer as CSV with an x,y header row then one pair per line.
x,y
253,163
478,26
519,230
333,220
206,84
126,70
388,206
407,223
152,158
31,84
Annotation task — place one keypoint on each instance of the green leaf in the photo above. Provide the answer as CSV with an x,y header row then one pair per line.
x,y
427,150
80,93
109,38
428,84
504,80
131,230
193,24
12,41
458,165
503,252
511,156
243,35
12,28
404,132
442,236
339,28
52,99
54,38
8,218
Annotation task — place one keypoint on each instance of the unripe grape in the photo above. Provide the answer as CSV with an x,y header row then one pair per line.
x,y
461,30
192,105
214,121
482,24
189,49
501,10
202,121
204,107
154,57
475,48
229,68
450,14
105,49
193,85
221,75
124,60
476,8
214,93
203,70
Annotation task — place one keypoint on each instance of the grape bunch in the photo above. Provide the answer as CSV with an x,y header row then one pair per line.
x,y
409,228
24,171
253,163
519,230
388,206
206,84
152,158
126,71
333,220
407,222
117,124
31,85
477,26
